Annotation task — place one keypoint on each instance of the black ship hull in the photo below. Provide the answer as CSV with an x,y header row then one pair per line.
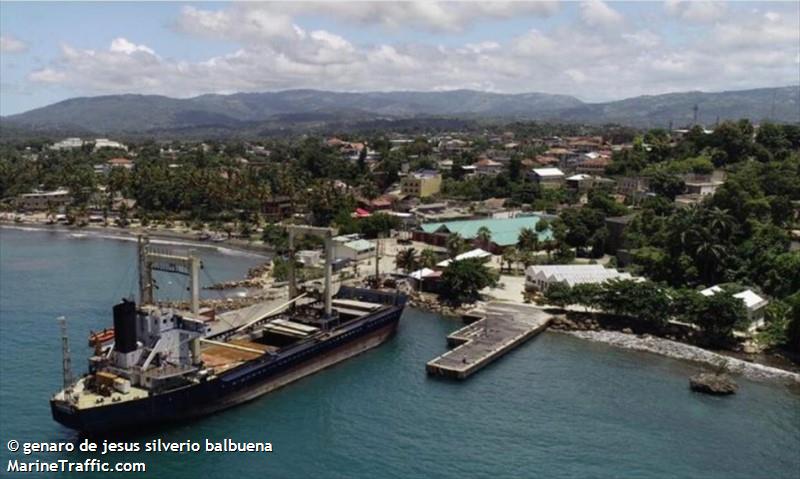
x,y
239,385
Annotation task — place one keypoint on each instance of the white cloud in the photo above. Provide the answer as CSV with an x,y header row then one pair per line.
x,y
617,58
122,45
47,75
11,44
696,11
643,38
597,14
274,19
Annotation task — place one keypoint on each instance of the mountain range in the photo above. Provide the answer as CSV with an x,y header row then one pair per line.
x,y
248,114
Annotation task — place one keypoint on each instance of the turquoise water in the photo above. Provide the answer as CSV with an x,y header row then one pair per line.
x,y
558,407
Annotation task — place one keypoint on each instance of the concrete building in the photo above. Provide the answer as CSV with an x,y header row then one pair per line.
x,y
101,143
753,303
580,182
44,200
541,277
422,183
547,177
309,257
704,185
504,231
352,247
67,144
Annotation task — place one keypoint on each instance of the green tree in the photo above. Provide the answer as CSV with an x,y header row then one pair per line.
x,y
428,258
455,245
528,239
463,280
406,260
484,237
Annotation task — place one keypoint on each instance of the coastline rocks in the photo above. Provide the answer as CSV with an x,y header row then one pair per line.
x,y
687,352
716,384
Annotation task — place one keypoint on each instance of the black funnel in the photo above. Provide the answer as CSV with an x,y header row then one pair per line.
x,y
125,326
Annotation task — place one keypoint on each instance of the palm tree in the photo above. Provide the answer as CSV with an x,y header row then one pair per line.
x,y
484,237
527,258
427,258
542,226
527,239
406,260
720,222
454,245
510,256
709,254
549,246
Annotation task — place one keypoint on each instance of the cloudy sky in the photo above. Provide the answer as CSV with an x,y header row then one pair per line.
x,y
593,50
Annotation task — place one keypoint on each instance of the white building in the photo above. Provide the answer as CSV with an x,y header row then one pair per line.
x,y
476,253
541,277
44,200
753,303
547,177
67,144
309,257
106,143
352,247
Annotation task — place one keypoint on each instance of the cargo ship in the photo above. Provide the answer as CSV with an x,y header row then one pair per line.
x,y
161,365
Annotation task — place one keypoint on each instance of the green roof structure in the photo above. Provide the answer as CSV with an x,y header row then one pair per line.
x,y
505,231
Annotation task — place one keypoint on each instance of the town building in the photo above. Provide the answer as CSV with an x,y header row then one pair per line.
x,y
487,167
44,200
309,257
277,208
422,183
547,177
67,144
704,185
580,182
595,166
541,277
101,143
476,253
504,231
352,247
754,303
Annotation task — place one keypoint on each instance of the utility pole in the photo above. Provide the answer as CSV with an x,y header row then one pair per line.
x,y
66,363
378,257
194,271
292,278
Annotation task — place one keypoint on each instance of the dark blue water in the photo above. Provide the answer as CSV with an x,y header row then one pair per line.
x,y
558,407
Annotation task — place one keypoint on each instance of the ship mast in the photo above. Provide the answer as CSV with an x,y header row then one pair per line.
x,y
168,262
66,361
327,235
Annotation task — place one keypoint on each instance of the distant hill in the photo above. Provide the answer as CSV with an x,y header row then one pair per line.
x,y
250,113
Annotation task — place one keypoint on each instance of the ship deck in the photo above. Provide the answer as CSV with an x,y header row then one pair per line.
x,y
87,399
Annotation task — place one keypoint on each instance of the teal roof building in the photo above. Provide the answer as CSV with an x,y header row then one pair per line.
x,y
505,231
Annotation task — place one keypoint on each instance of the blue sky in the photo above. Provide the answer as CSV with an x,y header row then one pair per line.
x,y
593,50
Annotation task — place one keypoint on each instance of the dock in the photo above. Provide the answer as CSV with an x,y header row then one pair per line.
x,y
501,328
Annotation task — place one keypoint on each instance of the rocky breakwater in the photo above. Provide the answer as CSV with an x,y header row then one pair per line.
x,y
674,349
257,277
564,323
430,302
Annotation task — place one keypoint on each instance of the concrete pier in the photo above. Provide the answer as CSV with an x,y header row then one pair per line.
x,y
502,327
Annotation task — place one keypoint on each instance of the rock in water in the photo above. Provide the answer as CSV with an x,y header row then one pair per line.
x,y
719,384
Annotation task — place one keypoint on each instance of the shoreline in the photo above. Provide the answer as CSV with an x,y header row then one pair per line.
x,y
157,235
677,350
643,343
650,344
